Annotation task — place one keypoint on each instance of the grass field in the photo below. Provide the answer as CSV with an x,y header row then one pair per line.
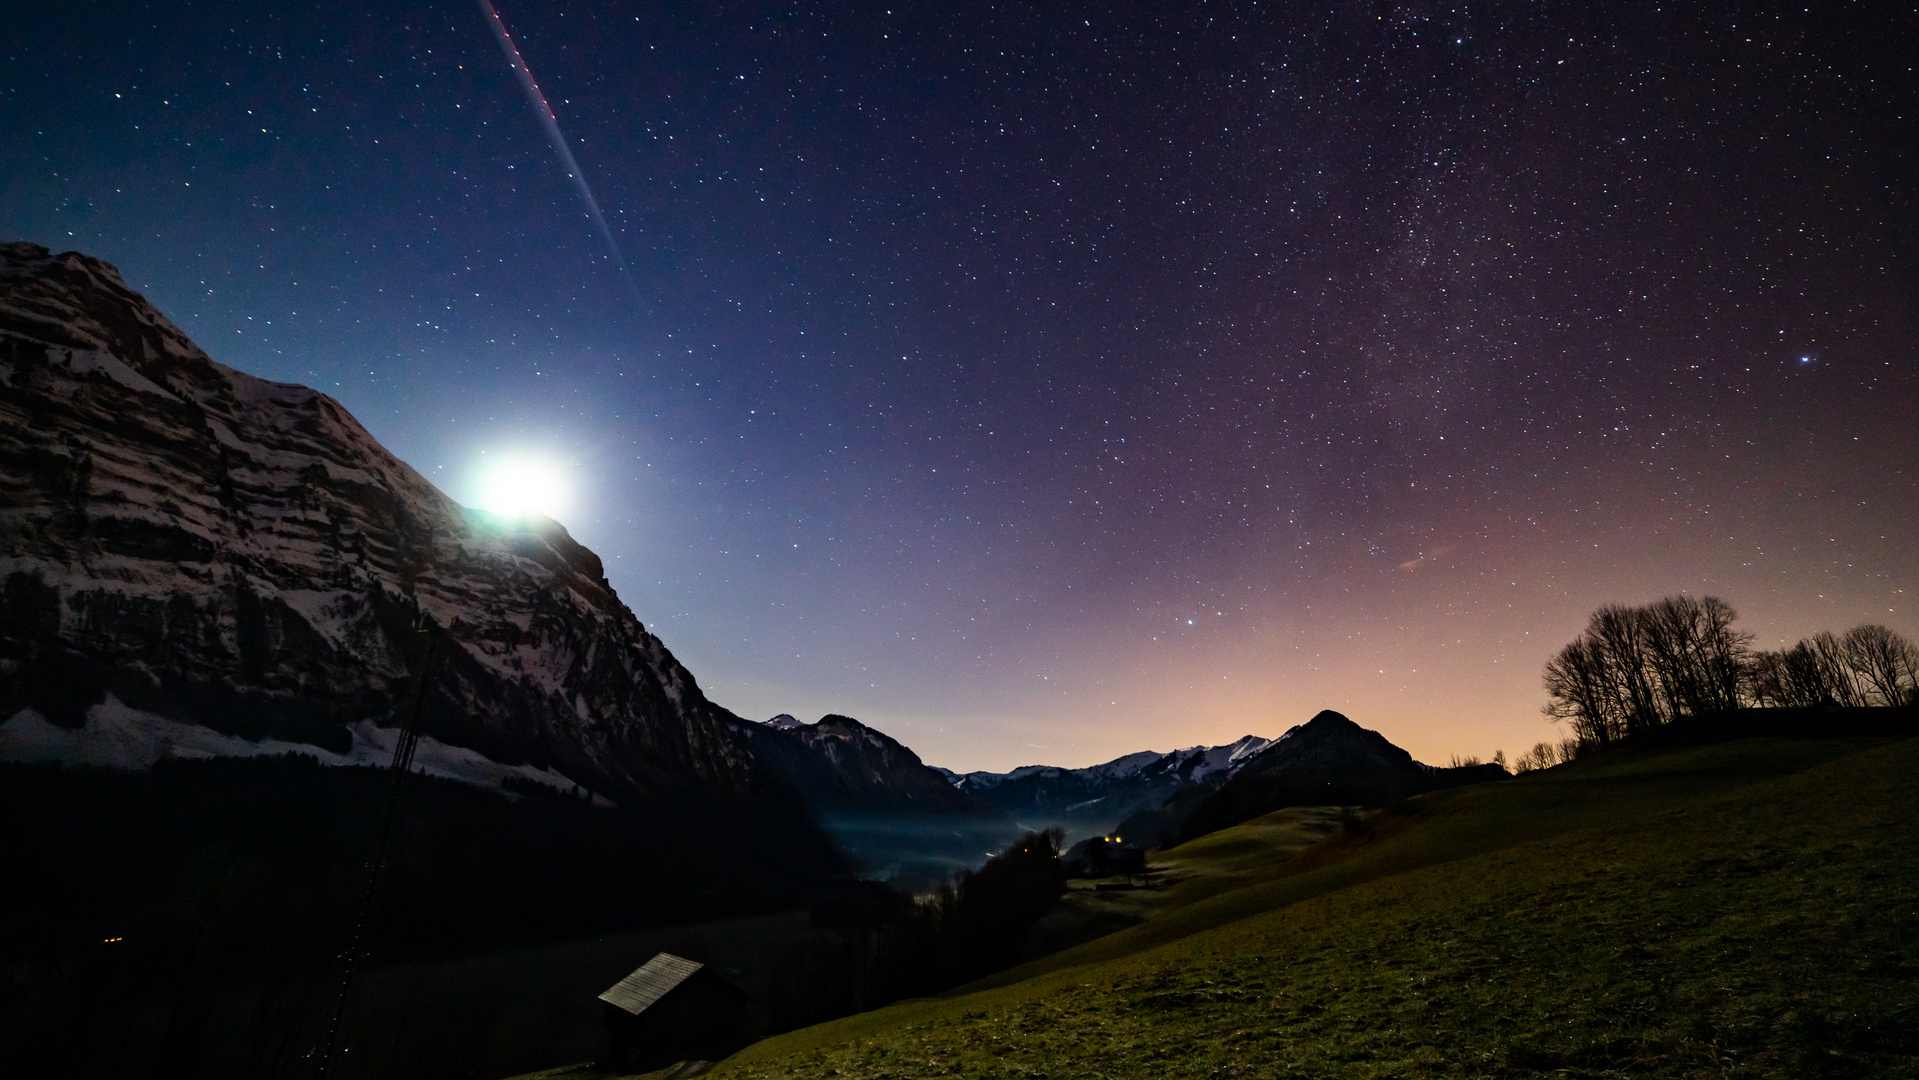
x,y
1206,867
1747,909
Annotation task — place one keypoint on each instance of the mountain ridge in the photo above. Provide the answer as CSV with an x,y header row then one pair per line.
x,y
1327,761
183,543
839,765
1095,799
214,548
894,817
1158,799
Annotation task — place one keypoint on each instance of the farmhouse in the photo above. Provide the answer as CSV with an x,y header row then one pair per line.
x,y
1100,856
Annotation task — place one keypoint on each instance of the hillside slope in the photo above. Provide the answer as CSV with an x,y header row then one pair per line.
x,y
1744,909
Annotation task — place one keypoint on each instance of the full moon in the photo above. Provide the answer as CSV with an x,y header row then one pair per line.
x,y
515,485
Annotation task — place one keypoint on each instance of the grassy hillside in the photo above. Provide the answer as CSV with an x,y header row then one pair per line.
x,y
1746,909
1205,867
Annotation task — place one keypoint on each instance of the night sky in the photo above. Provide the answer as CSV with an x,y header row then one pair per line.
x,y
1043,382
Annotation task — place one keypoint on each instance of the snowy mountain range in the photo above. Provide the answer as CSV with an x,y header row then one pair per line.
x,y
1093,800
1160,799
198,563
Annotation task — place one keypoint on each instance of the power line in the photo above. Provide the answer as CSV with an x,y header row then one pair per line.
x,y
396,775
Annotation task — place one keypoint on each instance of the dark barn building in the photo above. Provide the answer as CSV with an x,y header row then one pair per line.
x,y
674,1009
1102,856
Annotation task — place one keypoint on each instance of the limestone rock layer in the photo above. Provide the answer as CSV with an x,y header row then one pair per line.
x,y
213,548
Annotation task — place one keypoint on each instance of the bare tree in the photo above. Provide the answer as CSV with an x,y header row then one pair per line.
x,y
1885,664
1670,633
1696,656
1811,673
1870,665
1635,668
1842,683
1804,679
1580,692
1622,635
1767,680
1542,756
1723,654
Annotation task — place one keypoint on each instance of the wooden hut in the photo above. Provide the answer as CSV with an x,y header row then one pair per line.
x,y
674,1009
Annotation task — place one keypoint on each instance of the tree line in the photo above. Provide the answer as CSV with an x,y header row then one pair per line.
x,y
976,923
973,924
1637,668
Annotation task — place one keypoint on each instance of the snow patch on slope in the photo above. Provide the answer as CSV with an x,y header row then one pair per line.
x,y
87,361
118,736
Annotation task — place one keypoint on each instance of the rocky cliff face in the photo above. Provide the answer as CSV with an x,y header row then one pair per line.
x,y
182,540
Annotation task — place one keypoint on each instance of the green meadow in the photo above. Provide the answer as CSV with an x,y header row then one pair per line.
x,y
1205,867
1744,909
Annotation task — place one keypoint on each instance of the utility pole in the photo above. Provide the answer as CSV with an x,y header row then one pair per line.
x,y
396,776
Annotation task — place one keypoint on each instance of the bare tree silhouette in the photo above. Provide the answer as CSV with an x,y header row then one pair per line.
x,y
1884,663
1636,668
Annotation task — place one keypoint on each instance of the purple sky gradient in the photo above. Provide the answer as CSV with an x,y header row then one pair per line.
x,y
1040,384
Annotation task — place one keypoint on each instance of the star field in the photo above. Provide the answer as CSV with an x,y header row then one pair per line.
x,y
1046,383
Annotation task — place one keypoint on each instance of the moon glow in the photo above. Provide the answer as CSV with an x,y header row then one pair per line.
x,y
517,485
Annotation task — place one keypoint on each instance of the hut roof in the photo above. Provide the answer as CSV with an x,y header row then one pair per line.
x,y
650,982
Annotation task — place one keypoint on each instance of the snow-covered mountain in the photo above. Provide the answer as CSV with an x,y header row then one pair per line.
x,y
895,817
1093,800
1327,761
1155,799
196,561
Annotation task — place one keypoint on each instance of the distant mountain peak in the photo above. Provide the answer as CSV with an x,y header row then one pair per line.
x,y
1328,760
836,724
839,765
1092,800
1330,744
1247,746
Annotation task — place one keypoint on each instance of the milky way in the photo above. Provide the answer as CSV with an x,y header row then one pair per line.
x,y
1040,384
